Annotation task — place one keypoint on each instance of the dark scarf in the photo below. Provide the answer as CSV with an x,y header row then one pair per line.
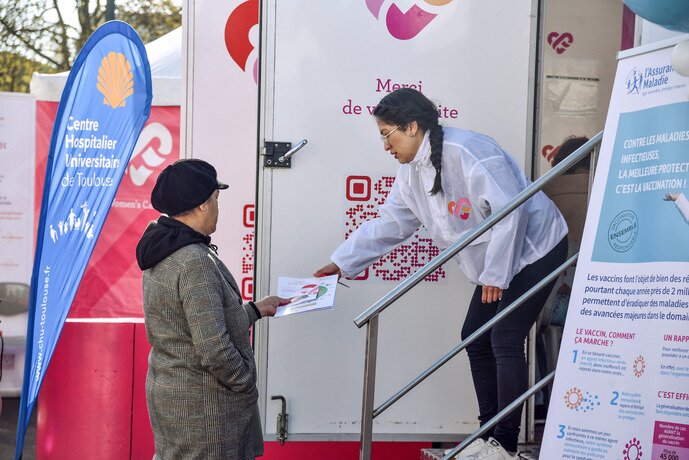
x,y
162,238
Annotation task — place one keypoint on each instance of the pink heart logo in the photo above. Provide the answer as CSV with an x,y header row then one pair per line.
x,y
402,26
240,22
560,42
461,208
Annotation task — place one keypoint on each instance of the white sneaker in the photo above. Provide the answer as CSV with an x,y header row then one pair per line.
x,y
471,450
494,451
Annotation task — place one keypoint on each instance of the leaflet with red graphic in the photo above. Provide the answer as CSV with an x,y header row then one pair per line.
x,y
306,294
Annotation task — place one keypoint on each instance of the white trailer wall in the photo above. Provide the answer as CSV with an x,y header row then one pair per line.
x,y
219,117
325,64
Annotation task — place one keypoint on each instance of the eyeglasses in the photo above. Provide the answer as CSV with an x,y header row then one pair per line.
x,y
385,137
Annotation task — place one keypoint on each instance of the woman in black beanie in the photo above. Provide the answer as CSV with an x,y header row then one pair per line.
x,y
201,383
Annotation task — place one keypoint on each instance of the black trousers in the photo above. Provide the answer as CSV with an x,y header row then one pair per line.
x,y
498,363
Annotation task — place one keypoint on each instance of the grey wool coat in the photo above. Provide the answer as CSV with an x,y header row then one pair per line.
x,y
201,384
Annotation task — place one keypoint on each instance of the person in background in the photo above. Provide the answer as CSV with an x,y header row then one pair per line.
x,y
569,192
449,181
201,383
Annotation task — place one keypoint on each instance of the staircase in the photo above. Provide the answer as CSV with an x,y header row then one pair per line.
x,y
370,317
526,451
529,451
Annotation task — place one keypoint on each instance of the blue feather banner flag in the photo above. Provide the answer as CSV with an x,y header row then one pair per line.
x,y
105,103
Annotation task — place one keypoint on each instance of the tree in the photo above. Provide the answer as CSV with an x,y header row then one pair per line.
x,y
151,19
17,71
36,36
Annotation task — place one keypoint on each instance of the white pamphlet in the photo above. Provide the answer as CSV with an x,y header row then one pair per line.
x,y
306,294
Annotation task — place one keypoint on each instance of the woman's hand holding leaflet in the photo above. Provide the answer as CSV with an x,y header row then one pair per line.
x,y
330,269
267,306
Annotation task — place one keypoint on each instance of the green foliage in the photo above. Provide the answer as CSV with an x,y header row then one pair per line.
x,y
151,19
35,35
16,72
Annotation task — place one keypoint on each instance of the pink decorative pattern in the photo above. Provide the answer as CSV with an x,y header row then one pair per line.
x,y
402,26
374,6
405,259
405,26
237,27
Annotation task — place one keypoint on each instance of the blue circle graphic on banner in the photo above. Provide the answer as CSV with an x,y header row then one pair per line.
x,y
672,14
623,231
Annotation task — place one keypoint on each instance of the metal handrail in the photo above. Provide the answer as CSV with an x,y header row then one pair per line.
x,y
500,415
476,232
370,316
478,333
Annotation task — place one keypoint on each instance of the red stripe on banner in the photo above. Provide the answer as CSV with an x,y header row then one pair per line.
x,y
45,118
628,26
111,285
74,390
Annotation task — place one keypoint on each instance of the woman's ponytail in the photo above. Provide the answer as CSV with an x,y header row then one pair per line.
x,y
436,139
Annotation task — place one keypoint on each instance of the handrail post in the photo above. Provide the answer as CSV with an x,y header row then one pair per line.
x,y
369,389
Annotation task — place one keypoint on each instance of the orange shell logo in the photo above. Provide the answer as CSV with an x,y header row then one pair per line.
x,y
115,80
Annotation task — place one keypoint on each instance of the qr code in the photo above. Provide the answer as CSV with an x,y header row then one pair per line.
x,y
364,194
248,256
248,216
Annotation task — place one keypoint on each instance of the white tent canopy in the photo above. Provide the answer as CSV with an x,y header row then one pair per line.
x,y
164,56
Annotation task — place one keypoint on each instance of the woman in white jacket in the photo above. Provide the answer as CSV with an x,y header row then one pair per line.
x,y
449,181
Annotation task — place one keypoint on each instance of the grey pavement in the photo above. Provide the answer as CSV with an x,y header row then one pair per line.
x,y
8,431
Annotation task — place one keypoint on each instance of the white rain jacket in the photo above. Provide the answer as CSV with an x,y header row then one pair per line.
x,y
477,177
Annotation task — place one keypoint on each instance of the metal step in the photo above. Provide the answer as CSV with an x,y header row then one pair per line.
x,y
526,451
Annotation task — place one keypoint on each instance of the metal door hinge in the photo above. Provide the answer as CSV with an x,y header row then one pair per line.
x,y
279,154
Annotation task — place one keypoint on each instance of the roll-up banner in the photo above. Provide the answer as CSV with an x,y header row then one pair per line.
x,y
17,134
105,103
622,385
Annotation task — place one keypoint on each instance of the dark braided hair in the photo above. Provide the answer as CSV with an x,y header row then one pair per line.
x,y
406,105
568,146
